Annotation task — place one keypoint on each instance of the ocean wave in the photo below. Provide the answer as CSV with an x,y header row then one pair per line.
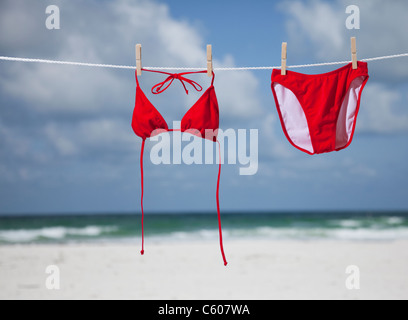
x,y
370,234
128,230
270,233
349,223
52,233
325,233
373,223
395,220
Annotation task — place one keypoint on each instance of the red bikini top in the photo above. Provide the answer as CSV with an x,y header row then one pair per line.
x,y
202,115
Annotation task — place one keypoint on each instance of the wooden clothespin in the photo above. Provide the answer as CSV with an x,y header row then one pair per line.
x,y
209,61
354,52
139,59
284,57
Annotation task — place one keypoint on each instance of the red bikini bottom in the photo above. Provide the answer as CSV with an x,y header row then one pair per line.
x,y
318,113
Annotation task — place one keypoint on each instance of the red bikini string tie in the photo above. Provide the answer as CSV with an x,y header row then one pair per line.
x,y
158,88
218,205
141,200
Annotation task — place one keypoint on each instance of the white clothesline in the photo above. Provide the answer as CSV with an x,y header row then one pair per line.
x,y
100,65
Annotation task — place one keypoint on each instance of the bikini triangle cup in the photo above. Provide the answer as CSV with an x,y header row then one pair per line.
x,y
203,115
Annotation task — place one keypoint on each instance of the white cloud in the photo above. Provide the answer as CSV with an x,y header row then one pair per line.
x,y
51,89
100,135
379,110
317,27
61,142
237,92
11,142
165,40
319,21
278,146
363,171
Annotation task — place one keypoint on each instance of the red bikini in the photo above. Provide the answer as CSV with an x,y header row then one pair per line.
x,y
202,116
318,113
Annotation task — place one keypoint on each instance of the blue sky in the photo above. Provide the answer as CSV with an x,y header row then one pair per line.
x,y
66,144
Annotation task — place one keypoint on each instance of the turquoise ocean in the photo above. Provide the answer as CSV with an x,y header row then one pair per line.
x,y
353,226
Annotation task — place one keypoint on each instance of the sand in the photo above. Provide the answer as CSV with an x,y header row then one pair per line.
x,y
256,270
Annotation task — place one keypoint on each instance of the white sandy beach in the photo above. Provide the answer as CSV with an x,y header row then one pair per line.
x,y
256,270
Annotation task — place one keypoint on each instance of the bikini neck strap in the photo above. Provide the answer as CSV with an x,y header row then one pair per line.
x,y
161,86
